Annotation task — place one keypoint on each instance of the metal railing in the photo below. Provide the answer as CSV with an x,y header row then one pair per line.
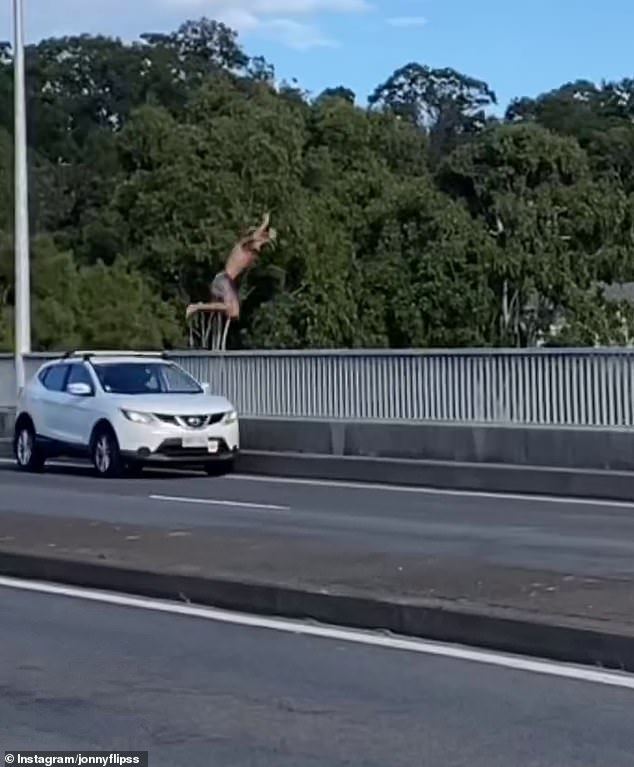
x,y
576,387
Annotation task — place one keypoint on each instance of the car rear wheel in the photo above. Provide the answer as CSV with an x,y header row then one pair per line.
x,y
105,454
27,454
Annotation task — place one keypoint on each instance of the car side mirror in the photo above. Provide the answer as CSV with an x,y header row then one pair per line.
x,y
206,388
79,389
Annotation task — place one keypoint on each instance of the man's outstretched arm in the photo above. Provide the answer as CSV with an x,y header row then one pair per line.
x,y
248,247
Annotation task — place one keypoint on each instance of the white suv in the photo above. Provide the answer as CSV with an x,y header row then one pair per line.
x,y
123,411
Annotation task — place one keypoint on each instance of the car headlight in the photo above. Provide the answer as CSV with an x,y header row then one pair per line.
x,y
230,417
136,417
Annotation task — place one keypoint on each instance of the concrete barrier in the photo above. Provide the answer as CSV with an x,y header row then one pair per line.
x,y
566,447
567,462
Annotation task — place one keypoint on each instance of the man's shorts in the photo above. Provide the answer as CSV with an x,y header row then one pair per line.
x,y
224,288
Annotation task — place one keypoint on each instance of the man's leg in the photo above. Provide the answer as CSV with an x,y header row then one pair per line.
x,y
225,289
216,306
218,291
232,305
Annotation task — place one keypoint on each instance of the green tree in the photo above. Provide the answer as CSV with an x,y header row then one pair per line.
x,y
444,102
557,232
598,117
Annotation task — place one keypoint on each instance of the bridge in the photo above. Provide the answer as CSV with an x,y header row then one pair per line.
x,y
563,409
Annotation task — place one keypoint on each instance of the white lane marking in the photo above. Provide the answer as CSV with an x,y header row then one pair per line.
x,y
431,491
387,488
512,662
210,502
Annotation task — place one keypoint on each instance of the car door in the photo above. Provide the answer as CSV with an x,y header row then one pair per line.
x,y
51,400
78,411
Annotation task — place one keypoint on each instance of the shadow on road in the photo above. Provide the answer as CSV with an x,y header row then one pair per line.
x,y
85,470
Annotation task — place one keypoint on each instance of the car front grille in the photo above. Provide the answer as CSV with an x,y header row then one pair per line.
x,y
200,421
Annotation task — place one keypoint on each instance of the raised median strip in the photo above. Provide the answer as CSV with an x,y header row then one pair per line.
x,y
542,614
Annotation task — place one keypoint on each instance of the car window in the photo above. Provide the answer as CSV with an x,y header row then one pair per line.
x,y
79,374
176,380
53,378
149,378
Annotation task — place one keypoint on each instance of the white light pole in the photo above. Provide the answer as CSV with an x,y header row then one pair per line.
x,y
21,204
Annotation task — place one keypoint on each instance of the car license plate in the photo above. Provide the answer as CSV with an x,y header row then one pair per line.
x,y
195,440
212,446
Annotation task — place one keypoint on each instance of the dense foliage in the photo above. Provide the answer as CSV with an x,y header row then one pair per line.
x,y
419,220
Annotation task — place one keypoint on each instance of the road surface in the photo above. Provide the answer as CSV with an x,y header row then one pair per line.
x,y
197,693
588,538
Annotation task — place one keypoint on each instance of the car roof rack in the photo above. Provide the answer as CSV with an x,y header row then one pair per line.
x,y
86,354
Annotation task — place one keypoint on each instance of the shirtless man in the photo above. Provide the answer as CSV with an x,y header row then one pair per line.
x,y
224,288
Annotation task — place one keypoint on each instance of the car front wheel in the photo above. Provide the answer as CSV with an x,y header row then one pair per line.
x,y
105,454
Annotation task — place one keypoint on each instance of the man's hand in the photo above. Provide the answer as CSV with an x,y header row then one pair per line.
x,y
264,233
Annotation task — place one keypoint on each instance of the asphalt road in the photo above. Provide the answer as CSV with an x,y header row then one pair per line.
x,y
79,675
567,537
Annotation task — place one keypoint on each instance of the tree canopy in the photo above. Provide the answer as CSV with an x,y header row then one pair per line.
x,y
419,219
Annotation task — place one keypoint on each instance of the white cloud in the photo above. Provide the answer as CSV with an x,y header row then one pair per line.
x,y
273,7
407,21
296,35
239,19
298,24
289,22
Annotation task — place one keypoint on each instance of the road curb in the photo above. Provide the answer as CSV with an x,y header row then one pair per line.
x,y
601,644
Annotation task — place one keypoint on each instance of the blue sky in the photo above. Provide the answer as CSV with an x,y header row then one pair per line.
x,y
520,48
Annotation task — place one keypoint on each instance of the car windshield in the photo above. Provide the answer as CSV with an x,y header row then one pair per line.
x,y
145,378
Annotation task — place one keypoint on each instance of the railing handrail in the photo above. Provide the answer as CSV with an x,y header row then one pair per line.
x,y
464,352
